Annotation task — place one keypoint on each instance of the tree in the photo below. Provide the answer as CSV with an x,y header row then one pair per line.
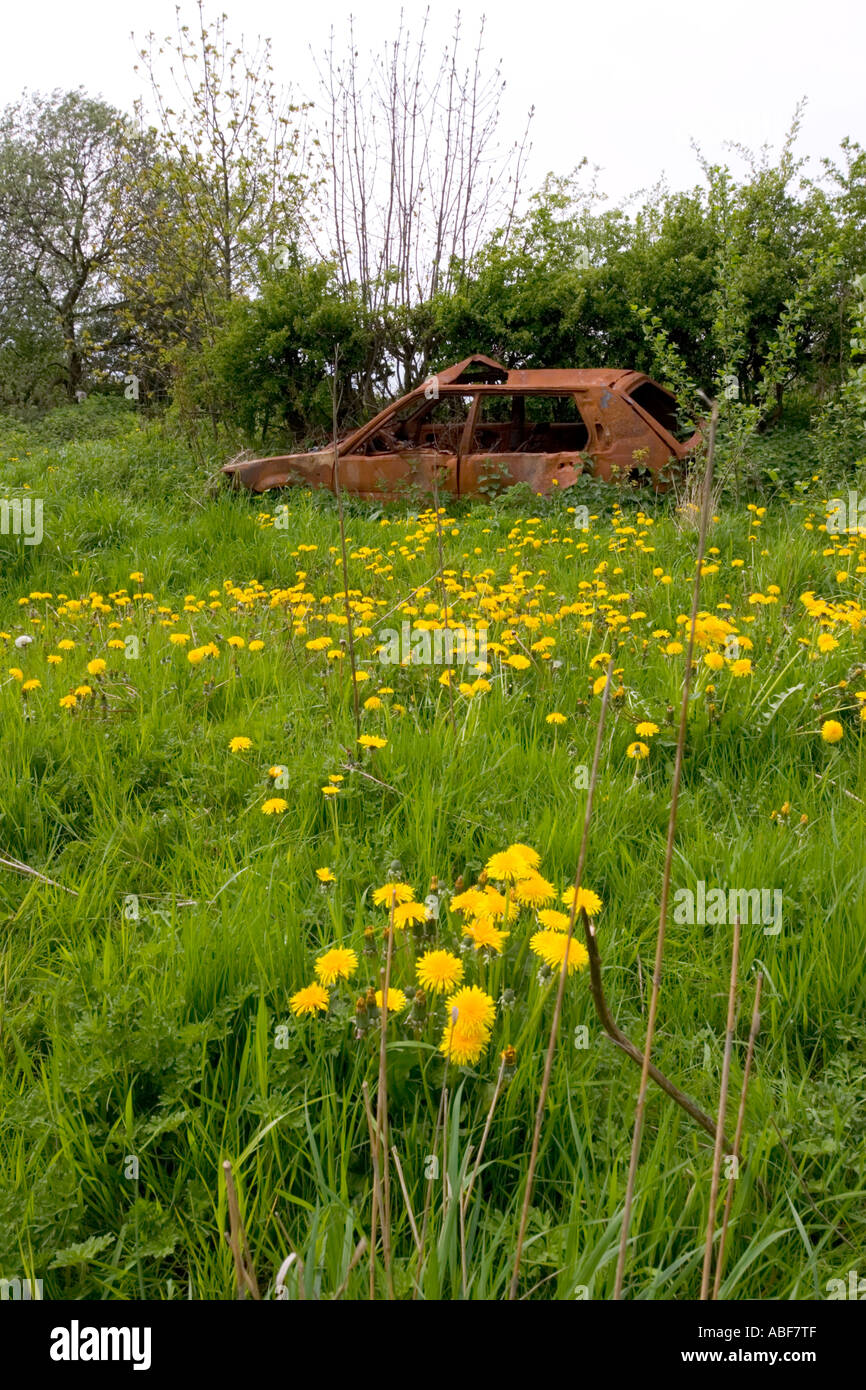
x,y
271,361
843,225
64,176
767,251
221,197
416,179
566,286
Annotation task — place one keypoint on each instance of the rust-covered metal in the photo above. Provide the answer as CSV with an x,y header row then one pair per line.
x,y
478,427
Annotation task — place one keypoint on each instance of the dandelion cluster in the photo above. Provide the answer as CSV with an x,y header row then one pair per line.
x,y
75,661
452,967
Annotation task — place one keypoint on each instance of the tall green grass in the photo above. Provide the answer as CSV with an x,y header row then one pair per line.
x,y
143,989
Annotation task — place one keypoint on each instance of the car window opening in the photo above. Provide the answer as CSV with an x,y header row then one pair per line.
x,y
661,406
527,424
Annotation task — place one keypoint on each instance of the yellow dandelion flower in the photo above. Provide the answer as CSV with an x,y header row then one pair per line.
x,y
554,718
508,866
438,971
408,913
534,891
550,946
372,741
240,744
460,1047
586,899
68,702
484,935
637,750
470,900
326,875
495,903
831,731
396,1000
310,1000
532,857
646,729
274,806
393,892
96,668
553,920
476,1010
337,964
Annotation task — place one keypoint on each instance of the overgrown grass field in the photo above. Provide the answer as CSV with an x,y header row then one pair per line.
x,y
156,960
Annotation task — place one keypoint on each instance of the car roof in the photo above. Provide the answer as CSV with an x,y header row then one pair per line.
x,y
478,370
481,373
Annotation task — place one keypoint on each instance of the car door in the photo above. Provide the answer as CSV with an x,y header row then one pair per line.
x,y
410,450
389,477
528,437
623,443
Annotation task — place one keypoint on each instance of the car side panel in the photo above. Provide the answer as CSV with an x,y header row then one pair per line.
x,y
386,477
481,472
304,470
622,440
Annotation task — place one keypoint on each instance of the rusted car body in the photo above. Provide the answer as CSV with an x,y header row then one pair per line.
x,y
476,428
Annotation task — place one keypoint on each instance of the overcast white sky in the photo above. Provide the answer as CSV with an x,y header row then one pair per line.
x,y
626,84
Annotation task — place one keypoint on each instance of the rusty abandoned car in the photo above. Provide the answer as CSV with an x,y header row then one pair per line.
x,y
477,428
